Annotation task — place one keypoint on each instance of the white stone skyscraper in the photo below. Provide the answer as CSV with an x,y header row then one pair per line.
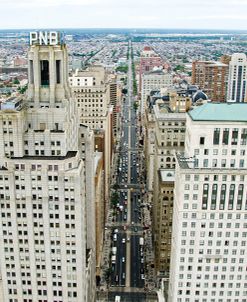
x,y
208,257
45,255
237,89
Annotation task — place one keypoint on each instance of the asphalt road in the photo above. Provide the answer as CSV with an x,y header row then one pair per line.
x,y
128,179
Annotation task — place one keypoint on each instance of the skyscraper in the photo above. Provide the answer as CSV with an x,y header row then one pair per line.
x,y
237,78
92,92
208,258
45,253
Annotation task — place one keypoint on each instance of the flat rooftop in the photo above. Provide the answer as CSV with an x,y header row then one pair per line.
x,y
167,175
227,112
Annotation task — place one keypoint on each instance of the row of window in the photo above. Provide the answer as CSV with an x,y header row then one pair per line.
x,y
211,300
226,138
214,177
241,152
221,191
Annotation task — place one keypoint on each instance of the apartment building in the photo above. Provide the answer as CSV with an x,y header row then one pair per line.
x,y
208,257
211,77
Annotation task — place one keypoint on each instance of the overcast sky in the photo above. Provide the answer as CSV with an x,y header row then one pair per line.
x,y
198,14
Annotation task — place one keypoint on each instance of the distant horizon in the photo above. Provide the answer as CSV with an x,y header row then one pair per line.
x,y
127,28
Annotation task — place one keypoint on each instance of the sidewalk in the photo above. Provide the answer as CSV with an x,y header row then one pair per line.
x,y
150,279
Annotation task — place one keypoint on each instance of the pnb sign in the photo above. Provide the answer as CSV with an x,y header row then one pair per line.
x,y
44,38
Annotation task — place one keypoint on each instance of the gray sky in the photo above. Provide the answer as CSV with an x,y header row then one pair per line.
x,y
209,14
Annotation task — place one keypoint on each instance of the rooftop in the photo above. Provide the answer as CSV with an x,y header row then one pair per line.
x,y
167,175
228,112
12,104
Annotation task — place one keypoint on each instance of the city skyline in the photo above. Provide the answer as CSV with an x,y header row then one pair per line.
x,y
124,14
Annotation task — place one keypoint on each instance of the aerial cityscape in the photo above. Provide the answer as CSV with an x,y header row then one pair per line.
x,y
123,154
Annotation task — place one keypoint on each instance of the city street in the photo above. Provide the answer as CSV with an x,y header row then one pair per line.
x,y
128,251
128,261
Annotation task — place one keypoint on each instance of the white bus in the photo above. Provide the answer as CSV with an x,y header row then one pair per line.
x,y
141,241
113,259
117,299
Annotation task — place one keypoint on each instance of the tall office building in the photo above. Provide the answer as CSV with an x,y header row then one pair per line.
x,y
92,92
169,139
208,258
211,77
45,252
164,136
115,97
237,89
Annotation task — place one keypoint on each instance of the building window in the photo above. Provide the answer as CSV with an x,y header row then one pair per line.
x,y
214,197
196,151
240,196
216,139
222,196
214,163
243,136
31,72
215,151
223,163
232,163
231,197
225,138
202,140
58,71
234,140
205,197
241,163
44,69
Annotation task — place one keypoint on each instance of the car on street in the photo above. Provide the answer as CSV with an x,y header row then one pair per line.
x,y
123,259
123,240
142,277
